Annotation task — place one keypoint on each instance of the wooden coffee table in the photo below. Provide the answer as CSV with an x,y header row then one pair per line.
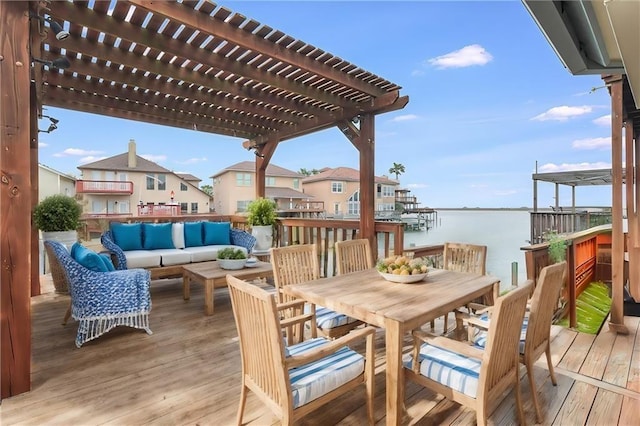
x,y
211,275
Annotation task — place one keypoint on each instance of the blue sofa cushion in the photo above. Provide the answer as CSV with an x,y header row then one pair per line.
x,y
128,236
193,234
217,233
88,258
157,236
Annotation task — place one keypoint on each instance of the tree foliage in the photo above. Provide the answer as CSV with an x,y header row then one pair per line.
x,y
397,169
208,189
307,172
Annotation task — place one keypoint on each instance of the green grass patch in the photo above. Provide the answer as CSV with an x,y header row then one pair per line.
x,y
592,307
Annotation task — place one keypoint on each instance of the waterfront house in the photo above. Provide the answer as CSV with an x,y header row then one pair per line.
x,y
234,187
339,189
127,184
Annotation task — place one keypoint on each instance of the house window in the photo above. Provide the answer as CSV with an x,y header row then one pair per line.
x,y
353,204
162,182
194,207
184,207
269,181
336,208
183,186
243,179
388,191
296,183
151,182
241,205
336,187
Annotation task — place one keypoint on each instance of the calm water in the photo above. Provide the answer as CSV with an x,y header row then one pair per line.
x,y
503,232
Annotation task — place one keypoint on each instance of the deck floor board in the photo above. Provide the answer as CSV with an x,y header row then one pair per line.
x,y
188,372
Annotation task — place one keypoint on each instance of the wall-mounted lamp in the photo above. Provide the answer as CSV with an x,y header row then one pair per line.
x,y
53,126
61,63
60,33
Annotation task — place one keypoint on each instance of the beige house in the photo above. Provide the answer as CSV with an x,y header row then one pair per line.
x,y
339,188
234,187
127,184
52,182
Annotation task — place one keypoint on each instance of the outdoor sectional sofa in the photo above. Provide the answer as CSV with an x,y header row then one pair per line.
x,y
162,248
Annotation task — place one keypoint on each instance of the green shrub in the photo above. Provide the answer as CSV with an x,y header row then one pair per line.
x,y
557,246
262,212
57,213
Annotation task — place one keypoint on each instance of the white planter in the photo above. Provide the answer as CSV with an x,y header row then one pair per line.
x,y
263,236
65,237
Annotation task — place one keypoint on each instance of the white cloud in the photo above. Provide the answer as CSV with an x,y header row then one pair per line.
x,y
154,158
478,185
417,185
505,192
193,160
563,113
564,167
592,143
405,117
466,57
71,152
417,73
90,159
605,120
42,145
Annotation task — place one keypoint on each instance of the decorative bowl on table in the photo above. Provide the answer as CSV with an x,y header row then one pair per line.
x,y
401,269
232,263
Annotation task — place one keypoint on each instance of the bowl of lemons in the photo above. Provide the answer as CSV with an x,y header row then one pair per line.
x,y
401,269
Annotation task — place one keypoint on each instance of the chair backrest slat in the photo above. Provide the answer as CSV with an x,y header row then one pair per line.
x,y
353,256
543,303
463,257
500,357
293,265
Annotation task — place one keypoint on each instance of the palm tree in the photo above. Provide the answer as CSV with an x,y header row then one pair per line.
x,y
397,170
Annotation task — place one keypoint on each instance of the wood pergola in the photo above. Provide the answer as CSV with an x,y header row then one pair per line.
x,y
193,65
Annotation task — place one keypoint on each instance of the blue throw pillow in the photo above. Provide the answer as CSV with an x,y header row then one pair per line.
x,y
88,258
128,236
107,261
193,234
217,233
157,236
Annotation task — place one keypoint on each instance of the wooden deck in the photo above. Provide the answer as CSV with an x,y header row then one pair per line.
x,y
188,371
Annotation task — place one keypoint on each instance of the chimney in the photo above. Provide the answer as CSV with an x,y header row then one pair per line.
x,y
132,162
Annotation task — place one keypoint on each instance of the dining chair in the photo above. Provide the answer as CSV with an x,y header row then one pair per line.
x,y
462,257
471,376
296,264
295,380
353,256
535,338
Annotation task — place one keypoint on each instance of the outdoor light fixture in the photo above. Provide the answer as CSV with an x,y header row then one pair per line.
x,y
60,33
53,126
61,63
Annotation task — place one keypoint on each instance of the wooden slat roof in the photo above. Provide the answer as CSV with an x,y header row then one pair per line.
x,y
200,66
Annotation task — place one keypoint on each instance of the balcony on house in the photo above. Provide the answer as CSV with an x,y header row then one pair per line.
x,y
104,187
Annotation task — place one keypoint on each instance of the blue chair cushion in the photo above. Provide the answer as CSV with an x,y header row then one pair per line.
x,y
157,236
217,233
449,368
480,336
88,258
128,236
193,234
327,319
311,381
107,261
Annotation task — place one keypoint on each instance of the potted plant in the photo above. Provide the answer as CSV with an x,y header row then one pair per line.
x,y
58,217
262,217
230,258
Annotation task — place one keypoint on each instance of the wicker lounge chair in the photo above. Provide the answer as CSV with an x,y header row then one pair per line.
x,y
101,301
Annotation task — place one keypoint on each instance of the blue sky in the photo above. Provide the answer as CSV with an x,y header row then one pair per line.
x,y
488,99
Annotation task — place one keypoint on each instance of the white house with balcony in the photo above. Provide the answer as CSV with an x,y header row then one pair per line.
x,y
127,184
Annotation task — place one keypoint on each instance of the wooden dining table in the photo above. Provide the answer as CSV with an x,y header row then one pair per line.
x,y
398,308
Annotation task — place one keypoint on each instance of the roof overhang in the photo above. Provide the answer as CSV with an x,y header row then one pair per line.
x,y
593,37
578,177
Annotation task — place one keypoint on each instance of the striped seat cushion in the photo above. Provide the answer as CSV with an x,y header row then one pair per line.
x,y
327,319
480,336
313,380
449,368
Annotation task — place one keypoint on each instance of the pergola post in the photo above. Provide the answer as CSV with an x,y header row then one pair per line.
x,y
263,157
15,199
616,320
366,146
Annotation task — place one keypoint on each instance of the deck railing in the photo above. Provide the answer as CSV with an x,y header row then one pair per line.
x,y
565,222
588,257
104,187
